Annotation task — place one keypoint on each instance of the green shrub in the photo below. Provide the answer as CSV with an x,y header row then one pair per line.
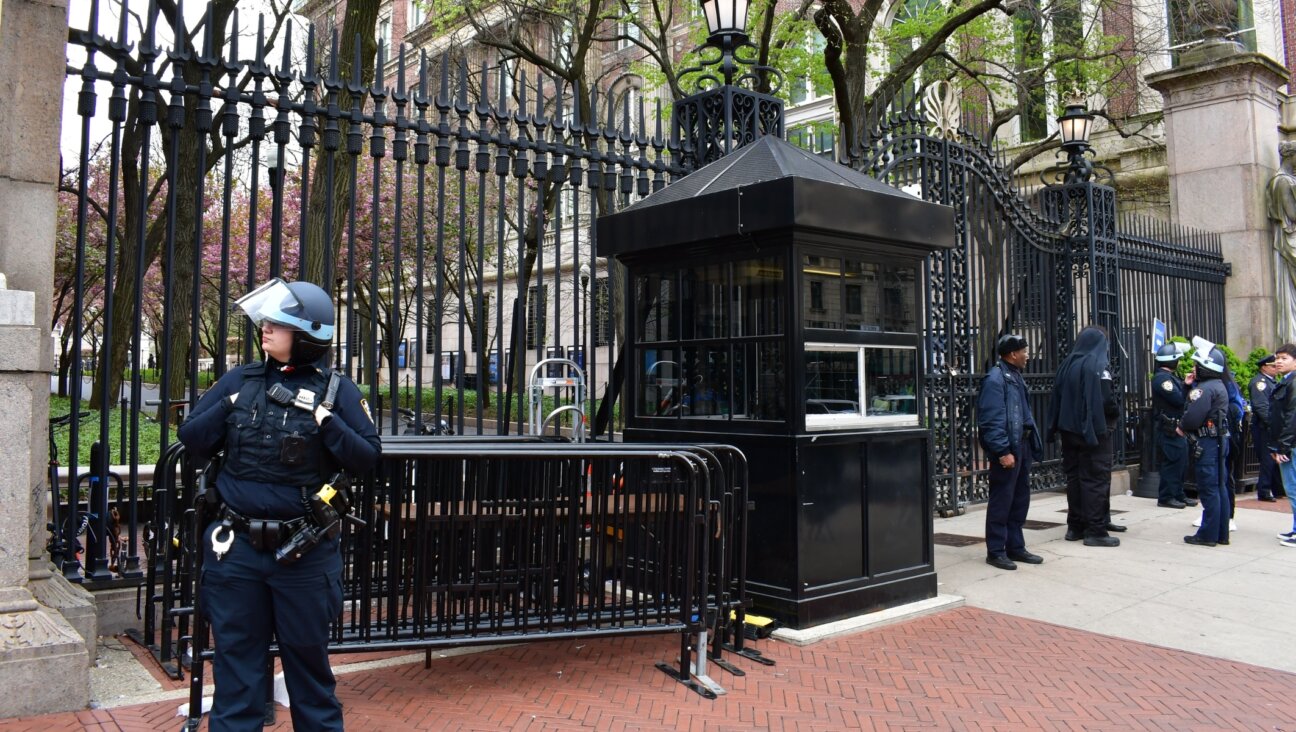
x,y
150,434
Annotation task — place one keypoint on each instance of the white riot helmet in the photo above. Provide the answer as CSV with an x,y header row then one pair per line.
x,y
1208,356
302,306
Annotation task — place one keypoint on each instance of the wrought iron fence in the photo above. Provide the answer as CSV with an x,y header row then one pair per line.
x,y
447,209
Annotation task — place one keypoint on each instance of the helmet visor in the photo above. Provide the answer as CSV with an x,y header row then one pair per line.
x,y
274,302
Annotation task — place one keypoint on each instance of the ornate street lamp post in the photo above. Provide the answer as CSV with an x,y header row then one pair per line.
x,y
727,31
726,112
1085,210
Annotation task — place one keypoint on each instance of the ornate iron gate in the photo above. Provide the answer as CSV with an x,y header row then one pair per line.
x,y
1042,264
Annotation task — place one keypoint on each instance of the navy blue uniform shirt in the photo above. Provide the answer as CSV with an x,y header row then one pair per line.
x,y
1207,402
349,437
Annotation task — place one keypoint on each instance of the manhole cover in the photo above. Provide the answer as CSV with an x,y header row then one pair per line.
x,y
956,540
1037,525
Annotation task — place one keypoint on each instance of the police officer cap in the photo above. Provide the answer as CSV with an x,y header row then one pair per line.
x,y
1010,343
1169,353
1266,360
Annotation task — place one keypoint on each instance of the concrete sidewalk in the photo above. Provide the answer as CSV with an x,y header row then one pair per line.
x,y
1231,601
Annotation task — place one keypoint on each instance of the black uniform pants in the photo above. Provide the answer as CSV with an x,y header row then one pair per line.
x,y
1009,502
1267,483
1088,477
247,596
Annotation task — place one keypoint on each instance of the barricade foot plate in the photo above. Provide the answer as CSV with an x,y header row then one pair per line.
x,y
752,654
728,666
687,681
172,669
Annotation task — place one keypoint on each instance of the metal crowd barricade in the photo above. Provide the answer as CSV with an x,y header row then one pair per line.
x,y
168,579
485,540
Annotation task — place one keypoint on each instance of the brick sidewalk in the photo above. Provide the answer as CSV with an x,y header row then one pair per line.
x,y
965,669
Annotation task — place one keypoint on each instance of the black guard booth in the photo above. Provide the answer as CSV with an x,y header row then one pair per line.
x,y
774,302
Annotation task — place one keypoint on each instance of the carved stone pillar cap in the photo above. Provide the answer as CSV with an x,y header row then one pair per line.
x,y
1229,66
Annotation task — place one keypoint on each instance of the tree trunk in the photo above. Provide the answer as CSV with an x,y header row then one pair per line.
x,y
362,19
187,177
65,364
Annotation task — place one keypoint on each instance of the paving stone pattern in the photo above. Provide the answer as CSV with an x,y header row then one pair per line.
x,y
965,669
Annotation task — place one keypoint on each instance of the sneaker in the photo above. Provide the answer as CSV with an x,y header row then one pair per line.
x,y
1232,525
1197,522
1289,542
1288,535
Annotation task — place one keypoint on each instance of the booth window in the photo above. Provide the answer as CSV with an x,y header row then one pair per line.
x,y
709,341
858,295
852,386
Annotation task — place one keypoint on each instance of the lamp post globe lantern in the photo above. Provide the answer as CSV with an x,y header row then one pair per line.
x,y
725,17
735,102
1074,126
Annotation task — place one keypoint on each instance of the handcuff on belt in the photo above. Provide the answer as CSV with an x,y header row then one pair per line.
x,y
265,534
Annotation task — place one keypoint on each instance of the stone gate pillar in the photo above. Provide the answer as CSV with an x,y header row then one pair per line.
x,y
1222,118
44,661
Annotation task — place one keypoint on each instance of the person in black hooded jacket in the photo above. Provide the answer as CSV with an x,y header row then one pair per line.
x,y
1083,411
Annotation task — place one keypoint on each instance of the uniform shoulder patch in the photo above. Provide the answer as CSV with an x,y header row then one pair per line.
x,y
364,406
1195,394
1167,385
1260,386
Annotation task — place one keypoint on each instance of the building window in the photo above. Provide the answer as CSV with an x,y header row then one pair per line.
x,y
416,15
1028,37
563,34
481,322
504,79
385,34
601,312
812,86
431,317
1184,30
819,138
628,26
536,308
858,295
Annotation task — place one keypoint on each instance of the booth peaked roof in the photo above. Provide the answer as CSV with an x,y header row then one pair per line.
x,y
771,187
769,158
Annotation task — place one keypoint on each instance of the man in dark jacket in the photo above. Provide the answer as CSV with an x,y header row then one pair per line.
x,y
1282,429
1083,411
1261,388
1006,429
